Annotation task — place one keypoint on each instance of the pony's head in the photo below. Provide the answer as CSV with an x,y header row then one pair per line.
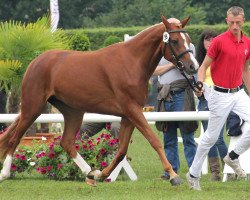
x,y
176,45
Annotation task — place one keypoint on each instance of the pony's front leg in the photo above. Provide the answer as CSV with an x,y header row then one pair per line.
x,y
142,125
5,172
91,176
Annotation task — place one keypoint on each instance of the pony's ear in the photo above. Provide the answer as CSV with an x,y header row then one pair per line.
x,y
185,21
165,22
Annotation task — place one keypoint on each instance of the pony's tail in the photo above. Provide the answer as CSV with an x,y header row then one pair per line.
x,y
5,137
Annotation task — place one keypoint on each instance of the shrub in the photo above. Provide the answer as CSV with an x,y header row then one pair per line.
x,y
79,42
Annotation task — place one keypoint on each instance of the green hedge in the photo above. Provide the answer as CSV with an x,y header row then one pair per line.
x,y
195,30
97,36
111,40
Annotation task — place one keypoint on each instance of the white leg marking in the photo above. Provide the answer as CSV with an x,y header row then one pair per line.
x,y
5,172
82,164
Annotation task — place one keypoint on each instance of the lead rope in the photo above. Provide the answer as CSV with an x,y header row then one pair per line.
x,y
196,86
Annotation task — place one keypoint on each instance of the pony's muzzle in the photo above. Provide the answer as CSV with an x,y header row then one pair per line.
x,y
192,69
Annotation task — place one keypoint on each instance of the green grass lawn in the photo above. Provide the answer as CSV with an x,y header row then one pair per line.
x,y
147,166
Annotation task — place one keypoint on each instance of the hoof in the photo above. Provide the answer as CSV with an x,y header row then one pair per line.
x,y
175,181
92,176
91,182
95,174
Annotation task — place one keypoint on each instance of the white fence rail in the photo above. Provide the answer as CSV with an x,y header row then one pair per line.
x,y
91,117
150,117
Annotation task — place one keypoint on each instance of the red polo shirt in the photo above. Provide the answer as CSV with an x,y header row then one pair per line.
x,y
229,57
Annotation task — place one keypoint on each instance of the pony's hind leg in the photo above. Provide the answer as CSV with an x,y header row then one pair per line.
x,y
10,140
5,137
72,124
5,172
30,109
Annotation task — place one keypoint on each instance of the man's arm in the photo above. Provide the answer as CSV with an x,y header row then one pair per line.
x,y
203,68
246,76
202,72
161,69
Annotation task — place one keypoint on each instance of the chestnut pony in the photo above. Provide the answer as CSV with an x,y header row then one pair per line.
x,y
112,80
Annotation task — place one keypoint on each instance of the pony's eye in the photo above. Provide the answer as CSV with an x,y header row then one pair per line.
x,y
174,42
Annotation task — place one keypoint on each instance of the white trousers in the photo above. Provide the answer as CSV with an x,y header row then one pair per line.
x,y
220,104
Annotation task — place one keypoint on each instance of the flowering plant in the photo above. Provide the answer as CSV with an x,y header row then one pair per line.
x,y
55,163
52,161
23,161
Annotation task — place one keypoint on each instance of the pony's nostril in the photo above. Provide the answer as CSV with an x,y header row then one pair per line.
x,y
192,67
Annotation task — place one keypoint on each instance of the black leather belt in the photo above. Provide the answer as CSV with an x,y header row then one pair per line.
x,y
228,90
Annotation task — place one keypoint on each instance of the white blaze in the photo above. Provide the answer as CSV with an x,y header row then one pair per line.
x,y
196,65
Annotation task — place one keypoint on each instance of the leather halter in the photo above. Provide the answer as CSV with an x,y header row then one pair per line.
x,y
179,63
196,86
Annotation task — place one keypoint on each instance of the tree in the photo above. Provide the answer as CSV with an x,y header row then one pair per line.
x,y
25,11
20,43
72,13
145,12
216,10
99,13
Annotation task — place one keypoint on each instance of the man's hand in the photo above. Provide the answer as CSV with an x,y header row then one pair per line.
x,y
198,88
199,93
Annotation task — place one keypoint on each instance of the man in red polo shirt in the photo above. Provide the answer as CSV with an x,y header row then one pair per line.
x,y
228,56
